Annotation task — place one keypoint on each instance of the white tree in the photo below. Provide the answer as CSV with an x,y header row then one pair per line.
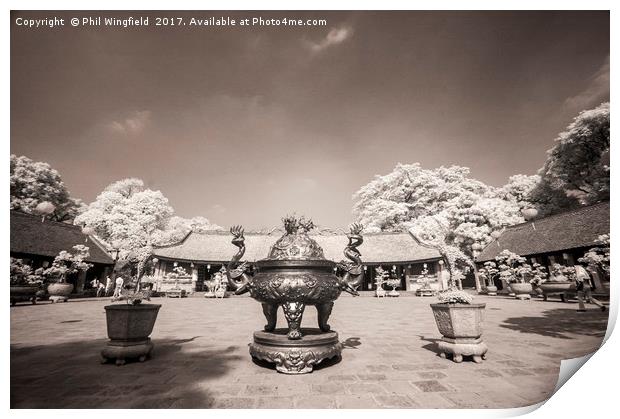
x,y
33,183
432,231
130,218
470,209
178,227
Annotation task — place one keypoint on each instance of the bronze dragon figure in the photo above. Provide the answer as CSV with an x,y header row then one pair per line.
x,y
236,273
354,272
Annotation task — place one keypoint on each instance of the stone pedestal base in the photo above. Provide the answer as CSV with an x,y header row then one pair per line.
x,y
463,346
58,298
523,296
122,350
297,356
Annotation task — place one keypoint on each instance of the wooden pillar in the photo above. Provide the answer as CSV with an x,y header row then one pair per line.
x,y
477,279
81,280
194,277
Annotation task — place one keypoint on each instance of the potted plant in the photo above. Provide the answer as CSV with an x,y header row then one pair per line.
x,y
460,323
394,283
425,290
489,273
64,264
515,272
176,291
558,282
130,324
380,279
24,282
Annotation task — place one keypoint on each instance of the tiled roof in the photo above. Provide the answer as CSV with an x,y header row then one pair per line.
x,y
377,248
568,230
31,236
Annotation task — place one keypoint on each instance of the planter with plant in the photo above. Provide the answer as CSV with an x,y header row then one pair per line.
x,y
380,278
515,272
130,324
394,283
460,323
24,282
64,264
489,273
558,283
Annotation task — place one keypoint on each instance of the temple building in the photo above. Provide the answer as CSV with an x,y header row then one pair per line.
x,y
203,254
37,242
561,238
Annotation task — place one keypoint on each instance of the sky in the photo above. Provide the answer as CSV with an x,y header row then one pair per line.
x,y
243,125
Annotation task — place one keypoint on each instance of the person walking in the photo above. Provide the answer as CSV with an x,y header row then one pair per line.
x,y
119,286
584,289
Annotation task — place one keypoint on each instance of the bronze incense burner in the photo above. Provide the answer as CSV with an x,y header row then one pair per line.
x,y
296,274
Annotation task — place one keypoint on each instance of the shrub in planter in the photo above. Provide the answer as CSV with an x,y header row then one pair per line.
x,y
24,282
559,283
518,274
460,323
489,273
64,264
129,325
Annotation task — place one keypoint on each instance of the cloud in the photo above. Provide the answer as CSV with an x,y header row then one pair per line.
x,y
596,91
218,208
334,37
134,124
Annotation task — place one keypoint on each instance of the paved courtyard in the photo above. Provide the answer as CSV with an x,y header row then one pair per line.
x,y
201,357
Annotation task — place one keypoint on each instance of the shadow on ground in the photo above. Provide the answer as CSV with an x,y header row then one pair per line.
x,y
561,323
70,375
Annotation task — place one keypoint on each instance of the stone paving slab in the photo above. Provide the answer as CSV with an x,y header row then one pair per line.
x,y
201,357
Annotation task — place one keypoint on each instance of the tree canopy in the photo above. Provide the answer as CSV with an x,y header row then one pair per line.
x,y
469,209
577,167
33,183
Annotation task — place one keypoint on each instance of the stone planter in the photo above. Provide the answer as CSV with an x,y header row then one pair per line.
x,y
522,290
461,328
492,290
556,288
59,291
393,293
23,293
129,328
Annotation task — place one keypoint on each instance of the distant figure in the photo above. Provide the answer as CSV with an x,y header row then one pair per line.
x,y
100,290
97,286
108,286
119,286
584,289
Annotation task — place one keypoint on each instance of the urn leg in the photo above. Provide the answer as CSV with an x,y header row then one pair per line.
x,y
324,310
293,313
271,314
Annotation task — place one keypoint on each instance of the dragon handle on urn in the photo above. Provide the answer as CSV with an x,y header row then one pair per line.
x,y
354,272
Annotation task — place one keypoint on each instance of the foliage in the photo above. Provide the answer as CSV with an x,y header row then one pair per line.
x,y
489,272
35,182
393,282
129,218
577,167
23,275
178,272
133,296
539,274
519,190
66,263
469,209
453,296
178,227
512,267
598,257
432,232
381,276
292,224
